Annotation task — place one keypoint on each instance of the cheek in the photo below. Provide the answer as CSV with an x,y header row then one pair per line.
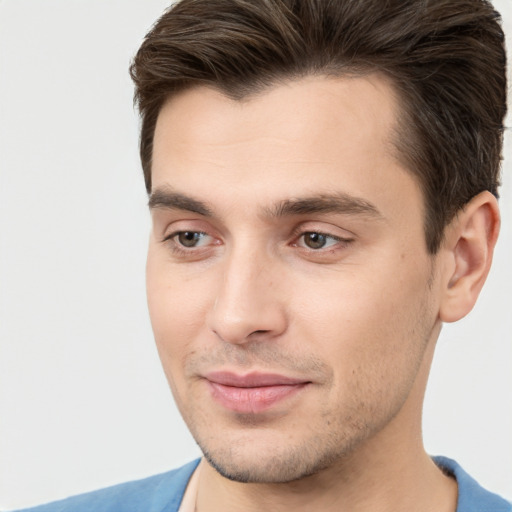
x,y
368,326
177,309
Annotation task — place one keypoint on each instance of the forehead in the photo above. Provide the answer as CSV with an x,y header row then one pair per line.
x,y
316,135
316,108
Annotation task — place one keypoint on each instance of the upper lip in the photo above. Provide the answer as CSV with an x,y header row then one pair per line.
x,y
252,380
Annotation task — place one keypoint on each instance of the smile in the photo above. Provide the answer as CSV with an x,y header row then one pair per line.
x,y
253,393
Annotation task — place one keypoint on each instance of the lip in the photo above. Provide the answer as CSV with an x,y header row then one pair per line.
x,y
252,393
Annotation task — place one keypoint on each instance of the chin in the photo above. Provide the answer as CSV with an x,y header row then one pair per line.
x,y
271,470
257,461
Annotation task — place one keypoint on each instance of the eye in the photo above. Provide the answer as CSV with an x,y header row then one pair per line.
x,y
190,239
314,240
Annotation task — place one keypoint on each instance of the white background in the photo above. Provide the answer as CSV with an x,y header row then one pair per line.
x,y
83,401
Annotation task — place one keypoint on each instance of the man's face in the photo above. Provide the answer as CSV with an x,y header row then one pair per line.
x,y
291,295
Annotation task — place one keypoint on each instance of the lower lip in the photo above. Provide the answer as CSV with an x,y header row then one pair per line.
x,y
252,400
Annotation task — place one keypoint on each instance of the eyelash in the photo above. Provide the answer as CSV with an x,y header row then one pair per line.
x,y
176,247
181,250
301,233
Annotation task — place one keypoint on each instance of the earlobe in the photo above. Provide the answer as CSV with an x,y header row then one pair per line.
x,y
468,248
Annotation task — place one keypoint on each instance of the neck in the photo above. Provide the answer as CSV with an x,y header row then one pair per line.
x,y
402,483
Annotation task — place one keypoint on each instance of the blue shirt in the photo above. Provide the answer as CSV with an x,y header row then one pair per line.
x,y
164,492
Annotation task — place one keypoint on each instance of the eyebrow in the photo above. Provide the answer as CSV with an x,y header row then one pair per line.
x,y
340,203
170,200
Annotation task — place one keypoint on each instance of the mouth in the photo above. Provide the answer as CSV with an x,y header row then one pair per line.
x,y
254,392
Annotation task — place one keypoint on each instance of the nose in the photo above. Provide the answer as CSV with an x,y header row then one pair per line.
x,y
249,304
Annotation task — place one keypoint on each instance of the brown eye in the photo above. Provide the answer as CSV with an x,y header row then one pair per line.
x,y
190,238
315,240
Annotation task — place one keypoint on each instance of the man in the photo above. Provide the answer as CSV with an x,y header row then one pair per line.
x,y
322,179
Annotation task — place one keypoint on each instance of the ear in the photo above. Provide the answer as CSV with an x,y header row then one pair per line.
x,y
467,249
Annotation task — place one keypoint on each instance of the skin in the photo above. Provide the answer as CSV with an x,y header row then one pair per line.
x,y
249,289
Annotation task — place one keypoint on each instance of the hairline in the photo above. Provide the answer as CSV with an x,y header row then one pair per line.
x,y
402,138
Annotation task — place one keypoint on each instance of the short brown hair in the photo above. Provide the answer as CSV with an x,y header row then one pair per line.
x,y
446,59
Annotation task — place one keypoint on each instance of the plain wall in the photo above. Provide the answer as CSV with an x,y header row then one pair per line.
x,y
83,400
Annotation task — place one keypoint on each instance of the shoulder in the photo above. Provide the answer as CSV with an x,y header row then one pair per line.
x,y
472,496
158,493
